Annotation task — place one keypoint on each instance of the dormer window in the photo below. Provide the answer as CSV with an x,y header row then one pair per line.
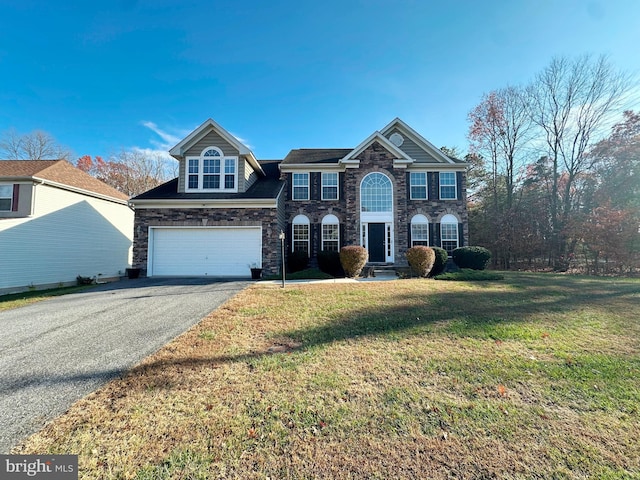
x,y
212,171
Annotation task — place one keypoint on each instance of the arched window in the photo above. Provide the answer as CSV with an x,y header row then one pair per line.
x,y
300,227
376,193
419,230
449,233
330,233
212,171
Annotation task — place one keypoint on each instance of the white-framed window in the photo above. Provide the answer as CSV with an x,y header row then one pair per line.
x,y
300,234
300,186
449,233
212,171
418,185
6,198
419,231
330,233
448,186
329,186
376,193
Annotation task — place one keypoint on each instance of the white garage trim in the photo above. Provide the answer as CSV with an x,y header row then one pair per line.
x,y
219,251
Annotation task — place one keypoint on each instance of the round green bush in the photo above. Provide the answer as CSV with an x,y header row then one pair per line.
x,y
440,262
353,258
476,258
421,259
297,261
329,262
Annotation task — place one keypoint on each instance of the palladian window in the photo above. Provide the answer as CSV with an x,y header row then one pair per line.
x,y
376,194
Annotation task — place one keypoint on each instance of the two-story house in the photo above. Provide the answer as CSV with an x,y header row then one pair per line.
x,y
226,210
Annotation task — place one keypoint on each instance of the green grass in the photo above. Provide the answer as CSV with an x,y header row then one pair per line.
x,y
534,376
467,274
16,300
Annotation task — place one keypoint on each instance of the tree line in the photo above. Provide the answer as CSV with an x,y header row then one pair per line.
x,y
551,183
131,172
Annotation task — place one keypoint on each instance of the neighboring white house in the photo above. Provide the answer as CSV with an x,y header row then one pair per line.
x,y
58,222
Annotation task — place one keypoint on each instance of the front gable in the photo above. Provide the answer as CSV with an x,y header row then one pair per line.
x,y
400,158
210,135
413,144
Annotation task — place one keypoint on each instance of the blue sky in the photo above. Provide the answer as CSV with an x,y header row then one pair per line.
x,y
112,75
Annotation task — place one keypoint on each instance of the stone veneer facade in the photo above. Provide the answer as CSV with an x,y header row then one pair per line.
x,y
374,158
268,218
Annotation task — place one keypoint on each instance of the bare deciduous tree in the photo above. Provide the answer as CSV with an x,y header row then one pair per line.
x,y
37,145
571,102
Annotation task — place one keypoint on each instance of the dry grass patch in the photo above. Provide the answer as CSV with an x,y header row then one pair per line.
x,y
532,376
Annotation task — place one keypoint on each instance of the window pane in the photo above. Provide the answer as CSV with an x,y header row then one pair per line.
x,y
420,234
330,186
5,204
300,186
300,238
193,181
229,165
211,181
229,181
193,165
212,153
447,185
418,185
330,237
376,193
211,165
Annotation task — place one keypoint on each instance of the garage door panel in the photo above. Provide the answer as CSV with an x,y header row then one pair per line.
x,y
205,251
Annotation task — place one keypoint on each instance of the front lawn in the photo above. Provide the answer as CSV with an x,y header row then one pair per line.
x,y
533,376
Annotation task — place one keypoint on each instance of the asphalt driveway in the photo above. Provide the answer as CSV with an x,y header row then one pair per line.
x,y
55,352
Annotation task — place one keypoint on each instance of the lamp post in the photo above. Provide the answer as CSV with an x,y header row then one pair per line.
x,y
281,237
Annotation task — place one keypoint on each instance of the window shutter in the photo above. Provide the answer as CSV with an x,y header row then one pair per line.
x,y
436,235
460,235
341,241
409,235
408,194
14,202
459,184
434,185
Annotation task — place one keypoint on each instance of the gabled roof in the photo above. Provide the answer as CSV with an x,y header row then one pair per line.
x,y
58,172
401,157
418,139
265,188
200,132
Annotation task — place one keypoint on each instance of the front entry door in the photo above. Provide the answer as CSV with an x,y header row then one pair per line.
x,y
376,242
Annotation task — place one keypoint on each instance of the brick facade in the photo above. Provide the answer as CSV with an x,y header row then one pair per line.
x,y
267,218
374,158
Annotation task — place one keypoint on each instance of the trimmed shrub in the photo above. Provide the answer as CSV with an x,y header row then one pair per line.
x,y
421,259
329,262
476,258
297,261
440,262
353,258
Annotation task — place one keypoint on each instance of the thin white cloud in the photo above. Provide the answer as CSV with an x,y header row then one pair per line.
x,y
242,141
168,140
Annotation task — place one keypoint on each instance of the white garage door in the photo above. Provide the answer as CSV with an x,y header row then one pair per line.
x,y
213,251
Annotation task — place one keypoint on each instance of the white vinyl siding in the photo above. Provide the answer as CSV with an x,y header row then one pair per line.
x,y
68,234
204,251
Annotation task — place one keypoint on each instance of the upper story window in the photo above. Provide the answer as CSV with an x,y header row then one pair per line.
x,y
418,182
329,186
212,171
300,186
376,193
448,186
6,198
